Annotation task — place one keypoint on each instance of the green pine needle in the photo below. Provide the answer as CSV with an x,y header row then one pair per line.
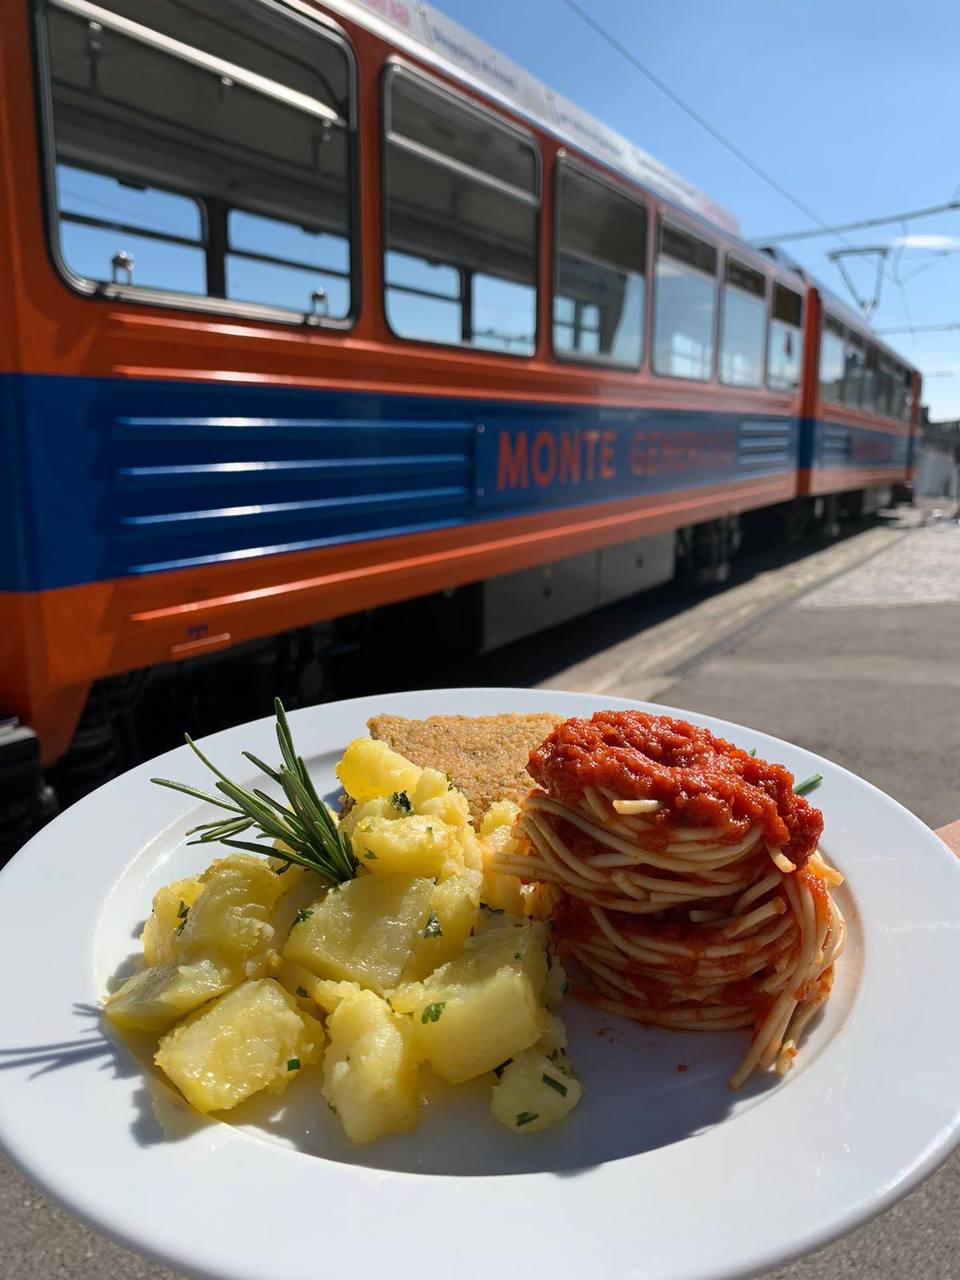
x,y
304,824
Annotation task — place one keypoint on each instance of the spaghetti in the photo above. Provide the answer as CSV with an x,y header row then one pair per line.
x,y
692,890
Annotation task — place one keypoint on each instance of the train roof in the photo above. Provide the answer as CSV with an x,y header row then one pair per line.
x,y
433,37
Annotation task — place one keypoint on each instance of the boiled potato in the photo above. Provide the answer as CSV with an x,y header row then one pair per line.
x,y
504,891
452,913
329,994
500,816
435,794
251,1039
534,1091
370,1069
481,1008
428,954
415,846
155,998
370,768
431,785
170,907
363,932
378,807
231,915
553,1034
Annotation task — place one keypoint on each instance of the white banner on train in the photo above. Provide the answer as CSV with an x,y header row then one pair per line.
x,y
422,25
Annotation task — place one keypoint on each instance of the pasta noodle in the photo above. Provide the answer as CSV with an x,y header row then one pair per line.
x,y
691,887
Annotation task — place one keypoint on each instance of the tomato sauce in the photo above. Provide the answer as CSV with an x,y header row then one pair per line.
x,y
699,779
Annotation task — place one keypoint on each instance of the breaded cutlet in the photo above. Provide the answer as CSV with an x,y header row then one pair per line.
x,y
485,757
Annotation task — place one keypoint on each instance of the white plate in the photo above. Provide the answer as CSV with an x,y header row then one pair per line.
x,y
660,1173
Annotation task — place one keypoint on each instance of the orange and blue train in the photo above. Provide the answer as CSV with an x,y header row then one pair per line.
x,y
310,309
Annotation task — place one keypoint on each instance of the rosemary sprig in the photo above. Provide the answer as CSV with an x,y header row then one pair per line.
x,y
304,824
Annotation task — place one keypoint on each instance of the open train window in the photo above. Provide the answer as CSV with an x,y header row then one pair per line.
x,y
461,211
743,322
200,153
831,360
785,341
685,302
599,297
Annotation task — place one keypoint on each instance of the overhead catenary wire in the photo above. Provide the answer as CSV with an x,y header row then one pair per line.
x,y
952,204
705,124
922,328
715,133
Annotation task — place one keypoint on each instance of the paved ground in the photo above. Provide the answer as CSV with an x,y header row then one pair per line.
x,y
854,652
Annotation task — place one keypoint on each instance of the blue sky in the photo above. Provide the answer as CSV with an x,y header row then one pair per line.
x,y
851,105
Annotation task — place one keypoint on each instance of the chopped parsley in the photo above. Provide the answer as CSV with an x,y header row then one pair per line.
x,y
370,856
498,1071
303,914
753,751
555,1084
432,929
808,784
433,1011
400,800
525,1117
494,911
293,1064
302,991
517,955
182,910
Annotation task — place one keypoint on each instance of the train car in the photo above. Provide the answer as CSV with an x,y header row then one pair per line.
x,y
312,309
860,407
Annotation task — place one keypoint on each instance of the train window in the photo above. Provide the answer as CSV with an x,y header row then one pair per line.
x,y
162,231
685,300
743,317
783,350
831,360
275,262
600,271
868,395
854,359
202,148
462,201
903,394
885,387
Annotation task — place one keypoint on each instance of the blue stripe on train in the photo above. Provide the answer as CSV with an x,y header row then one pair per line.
x,y
102,478
834,446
